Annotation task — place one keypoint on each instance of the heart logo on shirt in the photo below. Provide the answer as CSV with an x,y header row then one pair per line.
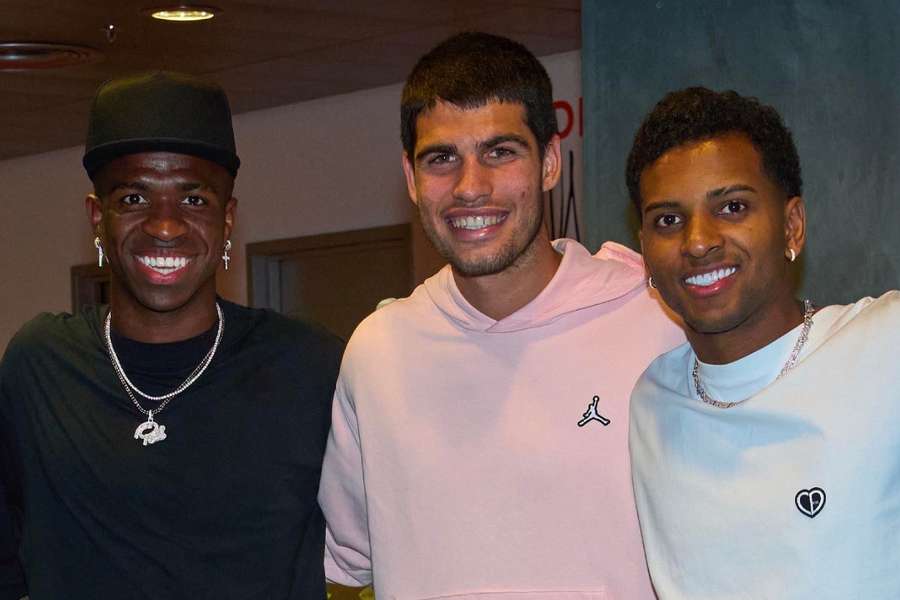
x,y
810,502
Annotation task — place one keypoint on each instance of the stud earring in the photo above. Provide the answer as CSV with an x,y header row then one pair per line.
x,y
99,248
650,282
792,256
225,256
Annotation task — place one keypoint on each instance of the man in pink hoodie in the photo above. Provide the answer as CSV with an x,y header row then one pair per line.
x,y
478,446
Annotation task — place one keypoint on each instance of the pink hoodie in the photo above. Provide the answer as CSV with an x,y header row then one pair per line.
x,y
465,458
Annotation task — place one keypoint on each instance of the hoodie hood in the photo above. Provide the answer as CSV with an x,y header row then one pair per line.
x,y
581,281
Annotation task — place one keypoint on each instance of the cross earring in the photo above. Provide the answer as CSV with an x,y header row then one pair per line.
x,y
225,256
99,248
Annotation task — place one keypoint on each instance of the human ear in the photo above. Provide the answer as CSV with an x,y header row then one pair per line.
x,y
409,171
93,206
794,225
551,169
230,209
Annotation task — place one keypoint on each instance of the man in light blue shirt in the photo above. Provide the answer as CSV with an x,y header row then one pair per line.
x,y
766,451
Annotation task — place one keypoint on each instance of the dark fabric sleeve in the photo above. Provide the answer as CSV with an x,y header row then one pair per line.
x,y
12,577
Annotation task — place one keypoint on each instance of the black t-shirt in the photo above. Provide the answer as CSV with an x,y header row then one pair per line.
x,y
160,368
224,507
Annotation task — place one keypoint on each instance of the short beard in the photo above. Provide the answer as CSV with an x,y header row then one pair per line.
x,y
510,255
745,311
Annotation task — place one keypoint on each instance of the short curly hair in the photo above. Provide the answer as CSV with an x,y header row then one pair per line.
x,y
472,69
695,114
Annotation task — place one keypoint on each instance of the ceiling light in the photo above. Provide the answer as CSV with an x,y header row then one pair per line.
x,y
25,56
182,12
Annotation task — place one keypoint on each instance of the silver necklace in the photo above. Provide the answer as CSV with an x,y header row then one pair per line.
x,y
808,311
150,431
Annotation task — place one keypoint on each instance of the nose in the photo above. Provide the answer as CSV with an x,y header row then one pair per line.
x,y
164,222
473,183
701,236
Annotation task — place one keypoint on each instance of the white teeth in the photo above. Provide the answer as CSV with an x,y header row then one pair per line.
x,y
478,222
164,264
707,279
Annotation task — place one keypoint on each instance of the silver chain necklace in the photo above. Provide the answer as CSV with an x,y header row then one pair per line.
x,y
808,311
150,431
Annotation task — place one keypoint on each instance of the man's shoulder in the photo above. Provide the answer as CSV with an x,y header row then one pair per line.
x,y
264,322
668,371
880,316
51,329
613,276
886,306
49,340
394,318
644,318
621,253
387,336
295,339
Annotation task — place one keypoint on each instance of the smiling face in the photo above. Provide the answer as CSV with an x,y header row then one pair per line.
x,y
478,179
715,233
163,219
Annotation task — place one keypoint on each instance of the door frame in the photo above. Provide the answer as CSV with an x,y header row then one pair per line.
x,y
87,285
264,258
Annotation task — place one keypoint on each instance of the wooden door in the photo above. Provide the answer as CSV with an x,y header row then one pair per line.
x,y
334,279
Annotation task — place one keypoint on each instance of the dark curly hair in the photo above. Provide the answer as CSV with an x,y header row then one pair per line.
x,y
695,114
471,69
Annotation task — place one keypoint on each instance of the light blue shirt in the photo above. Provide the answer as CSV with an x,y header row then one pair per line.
x,y
792,494
741,379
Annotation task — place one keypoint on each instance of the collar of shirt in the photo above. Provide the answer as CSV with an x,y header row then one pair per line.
x,y
746,376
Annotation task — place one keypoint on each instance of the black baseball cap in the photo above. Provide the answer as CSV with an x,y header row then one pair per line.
x,y
160,111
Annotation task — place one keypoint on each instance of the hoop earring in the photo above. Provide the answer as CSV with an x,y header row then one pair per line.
x,y
225,256
99,248
650,282
793,255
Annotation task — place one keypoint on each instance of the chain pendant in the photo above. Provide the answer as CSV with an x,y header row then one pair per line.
x,y
150,431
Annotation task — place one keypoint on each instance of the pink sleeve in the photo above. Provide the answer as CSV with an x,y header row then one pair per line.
x,y
621,253
342,496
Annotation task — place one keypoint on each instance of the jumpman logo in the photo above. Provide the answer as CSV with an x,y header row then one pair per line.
x,y
593,415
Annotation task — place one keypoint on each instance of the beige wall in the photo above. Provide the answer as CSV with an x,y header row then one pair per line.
x,y
317,167
43,230
326,165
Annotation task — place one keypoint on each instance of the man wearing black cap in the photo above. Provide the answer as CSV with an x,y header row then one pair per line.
x,y
168,445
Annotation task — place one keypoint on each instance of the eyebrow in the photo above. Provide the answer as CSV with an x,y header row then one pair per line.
x,y
722,191
129,185
195,186
710,195
502,139
187,186
660,204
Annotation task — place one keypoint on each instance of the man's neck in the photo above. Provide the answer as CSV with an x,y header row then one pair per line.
x,y
757,331
501,294
134,321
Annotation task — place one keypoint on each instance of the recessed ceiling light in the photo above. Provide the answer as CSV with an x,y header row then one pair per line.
x,y
182,12
26,56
